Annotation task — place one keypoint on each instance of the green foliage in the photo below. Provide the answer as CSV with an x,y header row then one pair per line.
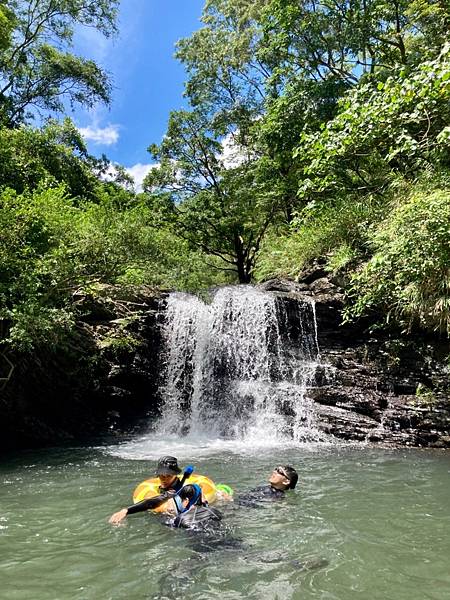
x,y
333,110
222,210
37,70
225,74
347,40
408,276
63,227
55,154
50,247
6,26
338,230
401,124
32,227
425,396
120,342
341,257
34,325
188,157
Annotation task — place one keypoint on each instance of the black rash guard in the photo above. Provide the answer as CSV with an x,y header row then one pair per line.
x,y
150,503
259,496
197,517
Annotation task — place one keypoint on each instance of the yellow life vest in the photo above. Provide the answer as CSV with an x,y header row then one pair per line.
x,y
151,487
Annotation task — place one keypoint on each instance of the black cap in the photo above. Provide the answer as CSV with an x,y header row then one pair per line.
x,y
168,465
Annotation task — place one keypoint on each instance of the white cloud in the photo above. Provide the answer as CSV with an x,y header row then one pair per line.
x,y
110,174
233,154
138,173
105,136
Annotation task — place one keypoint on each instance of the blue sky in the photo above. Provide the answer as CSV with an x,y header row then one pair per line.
x,y
148,81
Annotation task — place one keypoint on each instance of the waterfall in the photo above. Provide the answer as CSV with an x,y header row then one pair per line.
x,y
239,367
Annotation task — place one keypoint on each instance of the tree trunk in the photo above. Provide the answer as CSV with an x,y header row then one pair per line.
x,y
242,266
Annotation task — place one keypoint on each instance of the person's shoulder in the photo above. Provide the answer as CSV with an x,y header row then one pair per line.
x,y
268,490
260,488
259,496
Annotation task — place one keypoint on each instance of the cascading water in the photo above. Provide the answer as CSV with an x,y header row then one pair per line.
x,y
239,367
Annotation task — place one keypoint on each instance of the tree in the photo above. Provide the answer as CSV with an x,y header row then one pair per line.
x,y
223,211
56,153
37,72
400,125
224,70
243,85
407,278
341,38
6,25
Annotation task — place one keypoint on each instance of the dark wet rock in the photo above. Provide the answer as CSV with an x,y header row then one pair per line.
x,y
388,389
380,389
322,286
372,400
103,379
282,285
312,272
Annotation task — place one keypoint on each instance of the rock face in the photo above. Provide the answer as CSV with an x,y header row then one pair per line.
x,y
383,390
390,390
101,380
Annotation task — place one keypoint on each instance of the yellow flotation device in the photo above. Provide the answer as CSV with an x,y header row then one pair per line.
x,y
151,487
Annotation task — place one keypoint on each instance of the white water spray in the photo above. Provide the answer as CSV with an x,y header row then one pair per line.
x,y
240,367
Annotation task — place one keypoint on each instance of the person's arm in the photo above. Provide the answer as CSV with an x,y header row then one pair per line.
x,y
147,504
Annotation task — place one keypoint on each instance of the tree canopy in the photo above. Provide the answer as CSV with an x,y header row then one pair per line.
x,y
310,131
38,73
332,105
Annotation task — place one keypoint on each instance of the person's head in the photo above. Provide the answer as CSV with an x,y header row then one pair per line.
x,y
167,470
284,477
191,494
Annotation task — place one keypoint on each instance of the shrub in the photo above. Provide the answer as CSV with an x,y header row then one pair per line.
x,y
337,230
408,277
50,247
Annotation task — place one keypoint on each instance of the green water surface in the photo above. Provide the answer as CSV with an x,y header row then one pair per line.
x,y
364,523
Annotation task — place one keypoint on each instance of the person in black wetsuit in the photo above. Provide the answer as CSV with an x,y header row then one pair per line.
x,y
192,511
281,479
167,472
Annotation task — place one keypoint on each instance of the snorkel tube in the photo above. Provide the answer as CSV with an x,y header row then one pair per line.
x,y
187,473
164,496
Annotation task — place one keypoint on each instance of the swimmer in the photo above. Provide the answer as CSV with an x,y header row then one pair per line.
x,y
281,479
194,512
167,471
190,506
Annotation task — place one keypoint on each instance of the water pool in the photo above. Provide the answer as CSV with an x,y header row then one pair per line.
x,y
363,523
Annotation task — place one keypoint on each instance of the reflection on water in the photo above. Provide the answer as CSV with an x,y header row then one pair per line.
x,y
363,524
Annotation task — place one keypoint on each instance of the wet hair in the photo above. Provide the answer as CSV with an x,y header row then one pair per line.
x,y
192,493
292,475
187,492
